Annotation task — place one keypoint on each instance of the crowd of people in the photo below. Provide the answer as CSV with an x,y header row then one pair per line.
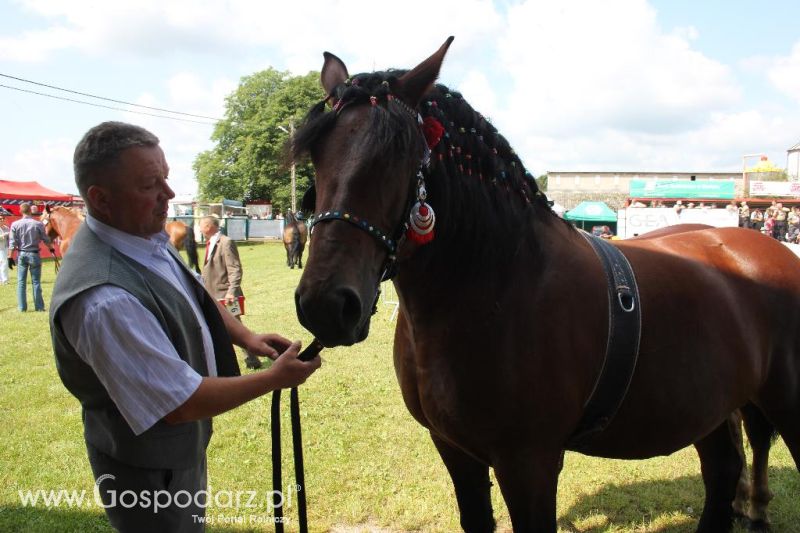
x,y
777,221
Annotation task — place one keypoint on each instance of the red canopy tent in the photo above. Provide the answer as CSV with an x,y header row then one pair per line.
x,y
13,193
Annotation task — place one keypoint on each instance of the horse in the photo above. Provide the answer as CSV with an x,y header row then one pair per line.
x,y
295,235
62,222
488,352
181,237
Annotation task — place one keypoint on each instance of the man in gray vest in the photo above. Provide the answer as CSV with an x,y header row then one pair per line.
x,y
142,345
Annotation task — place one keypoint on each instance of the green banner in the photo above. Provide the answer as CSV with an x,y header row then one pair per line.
x,y
682,189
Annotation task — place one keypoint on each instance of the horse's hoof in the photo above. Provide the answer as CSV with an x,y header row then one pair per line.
x,y
757,526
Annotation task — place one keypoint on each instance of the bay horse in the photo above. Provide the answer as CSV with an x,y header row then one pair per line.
x,y
295,235
62,222
181,237
488,348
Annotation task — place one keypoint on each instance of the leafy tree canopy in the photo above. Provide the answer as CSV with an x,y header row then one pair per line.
x,y
249,160
541,182
769,171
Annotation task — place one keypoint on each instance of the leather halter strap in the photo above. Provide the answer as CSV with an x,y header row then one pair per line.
x,y
622,348
389,243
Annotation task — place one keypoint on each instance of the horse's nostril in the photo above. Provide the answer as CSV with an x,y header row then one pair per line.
x,y
351,308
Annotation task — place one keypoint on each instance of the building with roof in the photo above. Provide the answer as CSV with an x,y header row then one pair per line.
x,y
793,162
571,188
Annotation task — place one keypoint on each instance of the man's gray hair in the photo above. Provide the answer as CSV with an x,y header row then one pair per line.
x,y
100,149
25,208
212,219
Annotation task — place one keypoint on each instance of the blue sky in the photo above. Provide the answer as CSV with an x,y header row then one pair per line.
x,y
628,85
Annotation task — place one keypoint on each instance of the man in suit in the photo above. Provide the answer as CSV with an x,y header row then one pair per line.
x,y
222,270
142,345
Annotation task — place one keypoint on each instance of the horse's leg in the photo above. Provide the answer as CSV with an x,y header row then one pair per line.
x,y
471,483
721,465
529,480
760,433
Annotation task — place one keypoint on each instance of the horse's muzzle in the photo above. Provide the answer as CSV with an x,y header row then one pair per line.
x,y
336,317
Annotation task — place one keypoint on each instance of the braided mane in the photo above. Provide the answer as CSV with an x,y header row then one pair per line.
x,y
476,183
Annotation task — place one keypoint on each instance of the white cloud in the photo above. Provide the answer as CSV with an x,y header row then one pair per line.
x,y
785,73
575,84
35,46
580,65
298,31
49,163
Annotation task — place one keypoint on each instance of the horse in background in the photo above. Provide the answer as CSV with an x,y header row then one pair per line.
x,y
487,351
181,237
62,223
295,235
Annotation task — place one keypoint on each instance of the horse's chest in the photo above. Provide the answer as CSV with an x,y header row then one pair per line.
x,y
439,399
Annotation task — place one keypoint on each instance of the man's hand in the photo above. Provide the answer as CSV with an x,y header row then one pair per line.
x,y
267,344
217,395
288,371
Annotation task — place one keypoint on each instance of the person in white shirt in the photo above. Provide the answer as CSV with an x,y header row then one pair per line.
x,y
141,344
4,234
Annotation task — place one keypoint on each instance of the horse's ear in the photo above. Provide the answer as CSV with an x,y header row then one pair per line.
x,y
414,84
333,73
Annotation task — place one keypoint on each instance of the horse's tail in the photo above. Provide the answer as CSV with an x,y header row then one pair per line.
x,y
296,242
191,248
757,425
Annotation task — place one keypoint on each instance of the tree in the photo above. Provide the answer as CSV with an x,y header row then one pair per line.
x,y
249,161
766,170
541,182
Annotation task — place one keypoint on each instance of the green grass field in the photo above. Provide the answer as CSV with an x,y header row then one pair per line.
x,y
369,466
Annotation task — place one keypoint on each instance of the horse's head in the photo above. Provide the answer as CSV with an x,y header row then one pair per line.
x,y
46,219
367,152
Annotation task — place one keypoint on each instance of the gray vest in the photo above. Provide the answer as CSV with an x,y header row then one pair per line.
x,y
90,263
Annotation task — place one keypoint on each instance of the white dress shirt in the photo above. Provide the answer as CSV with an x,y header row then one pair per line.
x,y
124,343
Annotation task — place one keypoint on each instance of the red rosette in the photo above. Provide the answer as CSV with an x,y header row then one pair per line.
x,y
433,131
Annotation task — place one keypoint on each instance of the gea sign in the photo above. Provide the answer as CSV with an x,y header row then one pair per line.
x,y
640,220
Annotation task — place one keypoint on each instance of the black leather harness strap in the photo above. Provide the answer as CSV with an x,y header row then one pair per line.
x,y
278,499
622,348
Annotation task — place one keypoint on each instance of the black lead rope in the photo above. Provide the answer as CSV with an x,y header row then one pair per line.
x,y
278,499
